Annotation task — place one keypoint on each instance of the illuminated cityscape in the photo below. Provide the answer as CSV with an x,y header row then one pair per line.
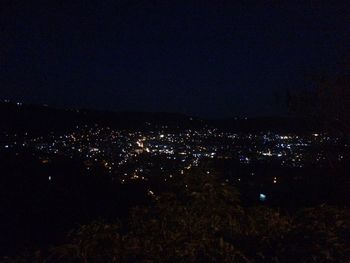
x,y
174,131
140,155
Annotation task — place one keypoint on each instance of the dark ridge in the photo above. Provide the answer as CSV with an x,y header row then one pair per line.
x,y
17,117
38,119
276,124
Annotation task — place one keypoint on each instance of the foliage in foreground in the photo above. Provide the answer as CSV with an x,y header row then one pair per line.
x,y
202,220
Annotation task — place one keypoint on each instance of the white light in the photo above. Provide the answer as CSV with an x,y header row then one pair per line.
x,y
262,197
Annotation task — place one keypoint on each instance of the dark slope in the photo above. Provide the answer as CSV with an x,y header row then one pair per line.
x,y
41,119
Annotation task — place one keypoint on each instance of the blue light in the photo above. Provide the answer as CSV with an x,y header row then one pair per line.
x,y
262,197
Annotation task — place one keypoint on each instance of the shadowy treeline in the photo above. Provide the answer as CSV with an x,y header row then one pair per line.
x,y
201,219
41,201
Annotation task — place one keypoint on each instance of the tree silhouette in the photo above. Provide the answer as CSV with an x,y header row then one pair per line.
x,y
327,101
202,220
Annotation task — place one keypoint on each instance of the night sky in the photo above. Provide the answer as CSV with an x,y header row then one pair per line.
x,y
203,58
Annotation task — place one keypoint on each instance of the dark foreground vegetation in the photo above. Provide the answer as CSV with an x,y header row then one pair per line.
x,y
200,219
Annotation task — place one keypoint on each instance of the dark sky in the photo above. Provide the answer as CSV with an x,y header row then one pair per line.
x,y
205,58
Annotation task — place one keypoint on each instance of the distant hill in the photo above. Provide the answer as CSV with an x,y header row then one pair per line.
x,y
276,124
37,119
17,117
